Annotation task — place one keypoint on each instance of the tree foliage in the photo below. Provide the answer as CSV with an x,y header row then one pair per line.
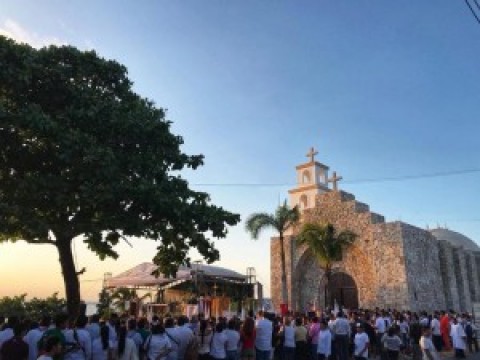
x,y
325,243
82,155
104,303
32,309
327,247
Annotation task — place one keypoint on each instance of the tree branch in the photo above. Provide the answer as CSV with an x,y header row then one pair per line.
x,y
41,242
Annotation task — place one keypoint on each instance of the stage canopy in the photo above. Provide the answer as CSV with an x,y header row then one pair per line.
x,y
141,276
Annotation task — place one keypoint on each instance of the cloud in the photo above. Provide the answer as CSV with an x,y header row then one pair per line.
x,y
15,31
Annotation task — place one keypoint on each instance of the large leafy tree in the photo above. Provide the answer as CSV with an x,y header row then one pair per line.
x,y
82,155
327,247
283,219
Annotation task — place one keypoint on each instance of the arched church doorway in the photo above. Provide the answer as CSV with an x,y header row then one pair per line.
x,y
343,290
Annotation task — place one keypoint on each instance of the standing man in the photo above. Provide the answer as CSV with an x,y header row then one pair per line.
x,y
436,333
342,336
380,326
263,340
361,343
458,339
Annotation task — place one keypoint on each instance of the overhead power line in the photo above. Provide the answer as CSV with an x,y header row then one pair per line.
x,y
358,181
472,10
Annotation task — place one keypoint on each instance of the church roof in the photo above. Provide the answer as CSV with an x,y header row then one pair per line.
x,y
455,239
141,275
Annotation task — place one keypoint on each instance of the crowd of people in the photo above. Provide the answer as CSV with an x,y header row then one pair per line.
x,y
330,335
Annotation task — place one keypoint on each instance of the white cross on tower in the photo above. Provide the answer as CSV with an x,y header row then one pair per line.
x,y
334,180
311,154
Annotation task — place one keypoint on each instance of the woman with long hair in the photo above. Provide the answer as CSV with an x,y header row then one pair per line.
x,y
126,348
204,338
247,337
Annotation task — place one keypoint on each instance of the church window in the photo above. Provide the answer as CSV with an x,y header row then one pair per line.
x,y
306,177
303,201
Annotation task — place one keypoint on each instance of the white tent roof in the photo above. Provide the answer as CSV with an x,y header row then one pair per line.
x,y
141,275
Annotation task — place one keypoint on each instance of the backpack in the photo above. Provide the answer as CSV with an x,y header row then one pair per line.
x,y
43,341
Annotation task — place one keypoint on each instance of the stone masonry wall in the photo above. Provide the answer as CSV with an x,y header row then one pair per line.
x,y
473,278
422,259
449,279
464,290
392,290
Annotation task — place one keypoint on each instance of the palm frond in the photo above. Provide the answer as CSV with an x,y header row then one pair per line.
x,y
258,222
326,246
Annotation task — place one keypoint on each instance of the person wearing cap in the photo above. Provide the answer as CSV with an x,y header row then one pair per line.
x,y
361,343
324,344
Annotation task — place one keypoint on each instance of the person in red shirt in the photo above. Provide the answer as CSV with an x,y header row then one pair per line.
x,y
15,348
445,330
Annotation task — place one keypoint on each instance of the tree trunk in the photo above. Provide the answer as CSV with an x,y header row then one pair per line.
x,y
70,277
284,272
328,301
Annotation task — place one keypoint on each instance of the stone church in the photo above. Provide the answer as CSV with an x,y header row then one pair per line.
x,y
390,264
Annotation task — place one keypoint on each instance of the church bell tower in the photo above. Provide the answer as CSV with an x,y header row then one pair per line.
x,y
312,179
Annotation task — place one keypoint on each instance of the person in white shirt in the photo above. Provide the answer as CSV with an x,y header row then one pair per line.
x,y
172,333
126,348
436,334
102,346
218,347
133,334
459,338
204,338
426,344
7,332
233,340
185,336
288,334
93,327
33,337
157,345
404,331
342,336
361,343
380,327
263,340
80,338
324,346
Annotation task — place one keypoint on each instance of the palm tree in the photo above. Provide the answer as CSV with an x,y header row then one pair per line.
x,y
121,295
326,245
283,219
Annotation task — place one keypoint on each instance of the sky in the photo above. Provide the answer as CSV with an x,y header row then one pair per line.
x,y
381,89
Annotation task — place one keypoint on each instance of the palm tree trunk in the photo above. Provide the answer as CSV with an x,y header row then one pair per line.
x,y
284,272
328,301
